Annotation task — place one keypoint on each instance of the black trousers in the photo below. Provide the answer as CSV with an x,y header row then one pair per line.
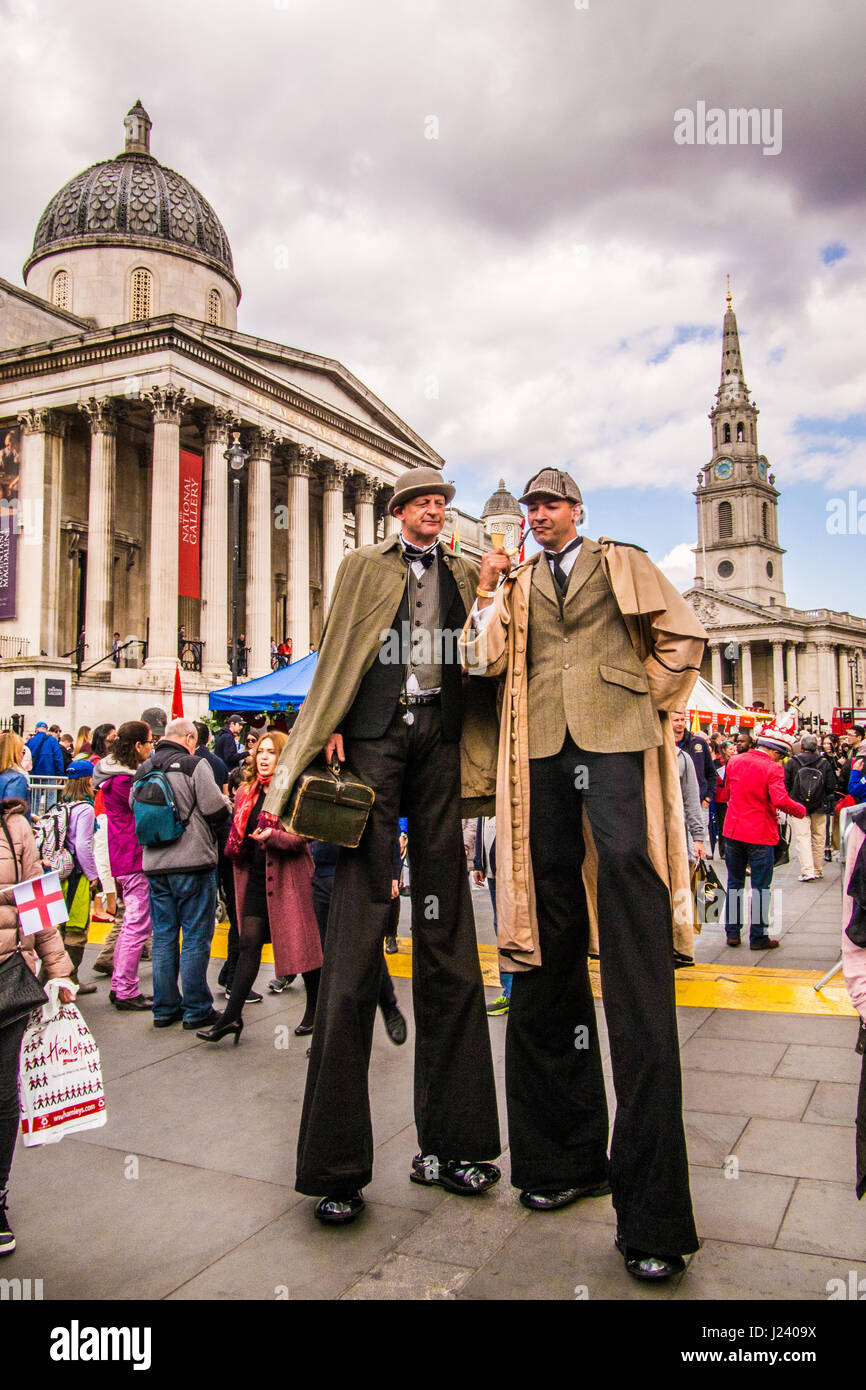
x,y
412,772
10,1118
321,907
557,1111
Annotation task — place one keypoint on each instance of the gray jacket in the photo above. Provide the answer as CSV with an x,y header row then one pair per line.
x,y
694,815
200,803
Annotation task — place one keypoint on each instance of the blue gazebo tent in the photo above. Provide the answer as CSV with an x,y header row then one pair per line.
x,y
280,689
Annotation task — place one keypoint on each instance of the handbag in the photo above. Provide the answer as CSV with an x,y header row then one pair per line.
x,y
782,847
20,991
329,804
709,893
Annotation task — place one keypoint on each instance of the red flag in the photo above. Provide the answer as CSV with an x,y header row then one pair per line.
x,y
521,542
177,697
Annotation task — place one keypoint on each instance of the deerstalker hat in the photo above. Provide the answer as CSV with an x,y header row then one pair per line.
x,y
552,482
416,483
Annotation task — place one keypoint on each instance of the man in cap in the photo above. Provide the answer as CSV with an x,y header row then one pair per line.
x,y
596,645
46,753
388,697
156,718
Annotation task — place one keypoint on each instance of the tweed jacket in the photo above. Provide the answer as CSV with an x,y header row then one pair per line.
x,y
367,594
668,642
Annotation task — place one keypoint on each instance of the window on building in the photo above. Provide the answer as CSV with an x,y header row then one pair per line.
x,y
60,290
214,307
765,521
142,284
727,434
726,520
725,569
741,432
770,570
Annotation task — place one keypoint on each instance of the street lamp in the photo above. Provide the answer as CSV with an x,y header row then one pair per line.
x,y
236,457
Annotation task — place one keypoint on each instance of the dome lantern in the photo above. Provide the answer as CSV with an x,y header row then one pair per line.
x,y
137,125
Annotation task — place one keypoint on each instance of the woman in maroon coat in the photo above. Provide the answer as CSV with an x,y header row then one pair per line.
x,y
273,892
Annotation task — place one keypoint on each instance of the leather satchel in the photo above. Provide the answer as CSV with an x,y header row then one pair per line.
x,y
20,991
329,804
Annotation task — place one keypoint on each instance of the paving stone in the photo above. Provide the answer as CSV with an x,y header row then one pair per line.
x,y
747,1208
711,1137
825,1218
408,1277
126,1237
721,1054
467,1230
833,1103
547,1258
296,1257
746,1024
690,1020
799,1151
822,1063
741,1272
725,1093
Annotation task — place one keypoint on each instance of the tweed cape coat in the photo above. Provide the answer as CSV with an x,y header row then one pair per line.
x,y
367,594
669,641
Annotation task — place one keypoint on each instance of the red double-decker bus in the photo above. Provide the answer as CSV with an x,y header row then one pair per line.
x,y
845,716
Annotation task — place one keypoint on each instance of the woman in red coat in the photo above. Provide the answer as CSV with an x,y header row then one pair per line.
x,y
756,792
273,891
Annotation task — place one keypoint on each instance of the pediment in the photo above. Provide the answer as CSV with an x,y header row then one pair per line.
x,y
716,610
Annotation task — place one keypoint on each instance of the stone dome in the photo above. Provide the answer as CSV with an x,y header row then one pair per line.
x,y
502,503
133,200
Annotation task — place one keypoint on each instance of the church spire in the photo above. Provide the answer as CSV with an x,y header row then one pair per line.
x,y
732,387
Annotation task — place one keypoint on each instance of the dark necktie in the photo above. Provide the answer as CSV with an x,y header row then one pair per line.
x,y
411,553
561,578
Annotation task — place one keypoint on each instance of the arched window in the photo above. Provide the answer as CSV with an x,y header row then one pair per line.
x,y
741,432
214,307
726,521
765,521
60,290
727,434
140,301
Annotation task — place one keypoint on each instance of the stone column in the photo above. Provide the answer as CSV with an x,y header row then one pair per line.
x,y
716,658
298,563
746,659
365,518
167,403
778,675
259,527
215,547
37,599
332,516
99,591
793,679
826,680
846,684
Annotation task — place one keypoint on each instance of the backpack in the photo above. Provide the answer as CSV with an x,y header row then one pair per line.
x,y
808,787
50,832
158,821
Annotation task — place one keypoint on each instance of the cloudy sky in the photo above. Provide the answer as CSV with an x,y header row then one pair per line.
x,y
482,210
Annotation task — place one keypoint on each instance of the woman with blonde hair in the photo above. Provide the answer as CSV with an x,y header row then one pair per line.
x,y
81,748
13,779
273,890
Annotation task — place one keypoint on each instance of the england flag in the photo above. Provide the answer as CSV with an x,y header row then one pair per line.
x,y
40,904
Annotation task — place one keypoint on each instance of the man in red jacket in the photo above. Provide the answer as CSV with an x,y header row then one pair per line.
x,y
756,791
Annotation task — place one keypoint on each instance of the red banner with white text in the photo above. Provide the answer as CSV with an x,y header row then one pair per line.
x,y
189,525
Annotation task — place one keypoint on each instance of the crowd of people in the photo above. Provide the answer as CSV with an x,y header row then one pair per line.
x,y
606,803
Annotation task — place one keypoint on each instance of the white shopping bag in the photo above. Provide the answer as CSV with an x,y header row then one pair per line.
x,y
59,1076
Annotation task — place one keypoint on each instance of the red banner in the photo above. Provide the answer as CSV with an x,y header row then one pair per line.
x,y
189,525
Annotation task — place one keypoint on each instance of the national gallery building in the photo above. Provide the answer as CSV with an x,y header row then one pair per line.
x,y
123,377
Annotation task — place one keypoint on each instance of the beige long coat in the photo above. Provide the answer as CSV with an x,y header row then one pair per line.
x,y
669,641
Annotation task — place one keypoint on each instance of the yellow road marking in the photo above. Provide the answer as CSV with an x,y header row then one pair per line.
x,y
757,988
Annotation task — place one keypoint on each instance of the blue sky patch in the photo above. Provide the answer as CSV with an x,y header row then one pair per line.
x,y
834,251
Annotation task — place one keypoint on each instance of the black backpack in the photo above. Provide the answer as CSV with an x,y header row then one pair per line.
x,y
808,786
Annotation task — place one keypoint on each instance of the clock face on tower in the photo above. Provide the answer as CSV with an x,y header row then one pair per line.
x,y
762,470
724,468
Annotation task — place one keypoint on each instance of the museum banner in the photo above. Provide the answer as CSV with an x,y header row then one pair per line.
x,y
10,466
189,525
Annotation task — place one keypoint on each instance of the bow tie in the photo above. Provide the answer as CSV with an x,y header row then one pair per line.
x,y
411,553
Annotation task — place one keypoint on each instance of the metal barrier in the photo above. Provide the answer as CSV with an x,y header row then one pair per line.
x,y
44,792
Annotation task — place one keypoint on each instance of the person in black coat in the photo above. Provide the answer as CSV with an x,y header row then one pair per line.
x,y
226,743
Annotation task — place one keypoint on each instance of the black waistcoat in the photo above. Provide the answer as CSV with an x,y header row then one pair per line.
x,y
379,692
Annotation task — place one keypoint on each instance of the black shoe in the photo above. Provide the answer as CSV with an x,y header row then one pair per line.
x,y
221,1030
459,1176
764,943
339,1211
166,1020
391,947
305,1027
395,1026
280,983
210,1017
642,1265
546,1200
139,1003
252,998
7,1239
